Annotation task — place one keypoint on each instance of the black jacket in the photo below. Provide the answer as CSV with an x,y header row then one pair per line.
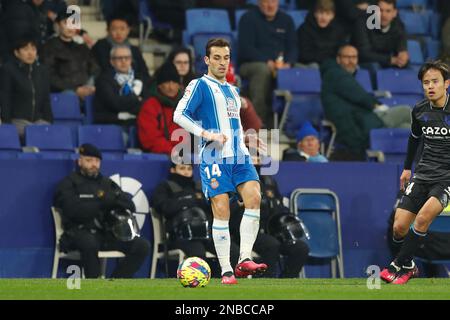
x,y
25,92
376,46
108,102
316,44
70,64
102,49
169,203
83,199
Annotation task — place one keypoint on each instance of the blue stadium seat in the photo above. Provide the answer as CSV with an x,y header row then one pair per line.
x,y
148,22
411,3
319,211
108,138
397,100
399,81
9,141
89,109
392,142
146,156
298,16
237,17
433,48
205,21
415,52
363,78
416,23
52,141
66,108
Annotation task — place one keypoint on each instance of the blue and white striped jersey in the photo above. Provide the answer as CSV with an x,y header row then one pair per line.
x,y
210,105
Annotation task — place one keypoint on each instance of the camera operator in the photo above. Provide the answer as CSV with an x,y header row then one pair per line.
x,y
281,232
187,215
95,215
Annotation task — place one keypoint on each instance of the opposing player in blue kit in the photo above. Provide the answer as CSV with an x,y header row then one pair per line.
x,y
210,109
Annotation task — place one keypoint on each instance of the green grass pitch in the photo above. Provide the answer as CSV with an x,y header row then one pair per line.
x,y
247,289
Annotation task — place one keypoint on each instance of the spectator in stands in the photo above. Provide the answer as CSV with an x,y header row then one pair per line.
x,y
181,57
28,18
72,66
25,87
88,201
155,120
268,244
130,8
118,28
353,110
180,201
308,146
321,35
267,42
384,47
120,91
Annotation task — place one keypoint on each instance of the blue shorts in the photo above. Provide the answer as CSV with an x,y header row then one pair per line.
x,y
218,178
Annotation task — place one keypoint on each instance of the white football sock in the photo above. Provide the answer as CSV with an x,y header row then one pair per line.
x,y
249,229
222,243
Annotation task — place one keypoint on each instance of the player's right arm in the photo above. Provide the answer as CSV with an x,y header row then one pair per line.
x,y
186,108
413,145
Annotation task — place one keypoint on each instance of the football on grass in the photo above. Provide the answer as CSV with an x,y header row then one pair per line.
x,y
194,272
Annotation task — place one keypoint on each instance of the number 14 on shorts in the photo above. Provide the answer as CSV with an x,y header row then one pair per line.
x,y
215,171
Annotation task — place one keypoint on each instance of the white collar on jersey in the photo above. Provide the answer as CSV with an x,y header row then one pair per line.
x,y
216,81
445,104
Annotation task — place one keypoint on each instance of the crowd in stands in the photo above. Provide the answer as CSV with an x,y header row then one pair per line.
x,y
334,38
40,55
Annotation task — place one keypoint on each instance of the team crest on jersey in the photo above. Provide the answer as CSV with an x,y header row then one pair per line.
x,y
214,183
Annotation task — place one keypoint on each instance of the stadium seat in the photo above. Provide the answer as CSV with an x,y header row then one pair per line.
x,y
238,13
298,16
148,22
75,255
433,48
397,100
389,144
9,141
416,23
205,21
399,81
146,156
415,52
297,99
89,110
52,141
319,211
363,77
66,108
411,3
108,138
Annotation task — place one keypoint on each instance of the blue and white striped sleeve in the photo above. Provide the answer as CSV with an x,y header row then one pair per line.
x,y
186,107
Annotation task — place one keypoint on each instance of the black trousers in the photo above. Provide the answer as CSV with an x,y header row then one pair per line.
x,y
89,244
270,249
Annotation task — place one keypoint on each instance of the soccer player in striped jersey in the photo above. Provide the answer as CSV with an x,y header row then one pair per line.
x,y
210,109
428,193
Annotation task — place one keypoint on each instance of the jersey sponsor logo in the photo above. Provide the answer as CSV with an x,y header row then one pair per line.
x,y
232,109
436,131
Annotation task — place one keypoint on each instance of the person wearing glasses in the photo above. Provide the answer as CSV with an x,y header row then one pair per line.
x,y
120,91
181,57
118,28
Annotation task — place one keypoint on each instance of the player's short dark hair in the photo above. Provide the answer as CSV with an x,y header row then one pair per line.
x,y
216,42
123,18
393,2
434,64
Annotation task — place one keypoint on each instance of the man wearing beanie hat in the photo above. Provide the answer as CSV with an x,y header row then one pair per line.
x,y
120,90
308,146
86,200
155,120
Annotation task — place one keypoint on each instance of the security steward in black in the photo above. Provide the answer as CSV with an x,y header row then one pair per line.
x,y
87,199
181,202
282,240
